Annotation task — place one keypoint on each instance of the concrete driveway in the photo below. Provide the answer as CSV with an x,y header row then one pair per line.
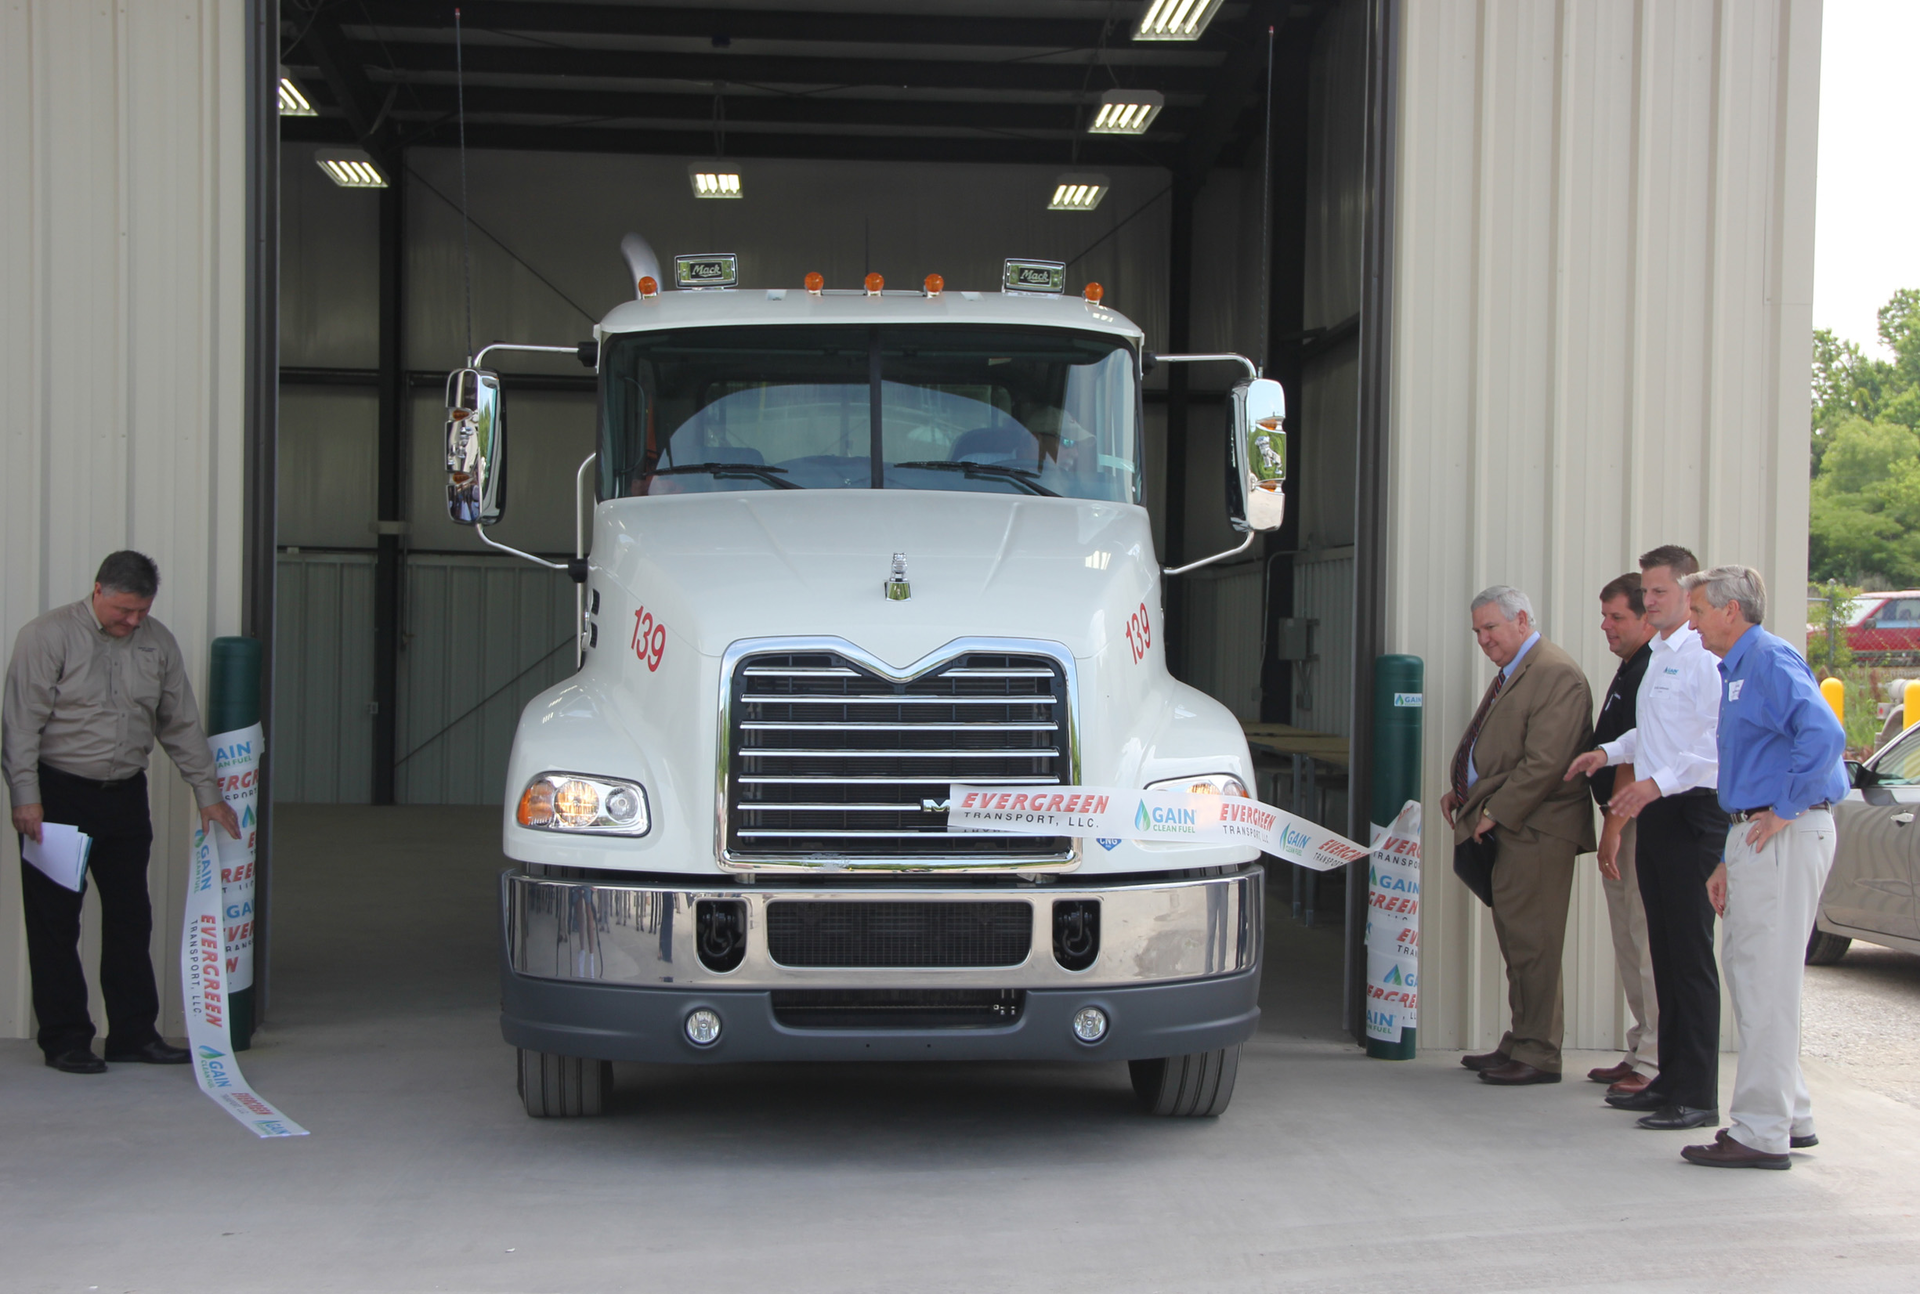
x,y
1330,1172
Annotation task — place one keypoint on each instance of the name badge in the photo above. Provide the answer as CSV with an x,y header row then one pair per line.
x,y
1733,689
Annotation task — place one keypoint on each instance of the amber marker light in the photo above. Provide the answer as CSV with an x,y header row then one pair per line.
x,y
1093,292
874,284
816,282
647,286
935,285
536,805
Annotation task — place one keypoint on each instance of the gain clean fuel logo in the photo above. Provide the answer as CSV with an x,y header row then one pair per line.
x,y
1161,822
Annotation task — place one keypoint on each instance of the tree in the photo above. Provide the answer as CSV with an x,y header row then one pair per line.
x,y
1865,454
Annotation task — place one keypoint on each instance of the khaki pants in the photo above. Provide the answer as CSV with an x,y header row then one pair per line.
x,y
1628,916
1532,887
1772,895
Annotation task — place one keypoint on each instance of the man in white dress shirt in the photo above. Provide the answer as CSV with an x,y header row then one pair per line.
x,y
1682,830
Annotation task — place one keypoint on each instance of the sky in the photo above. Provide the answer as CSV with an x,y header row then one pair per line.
x,y
1867,217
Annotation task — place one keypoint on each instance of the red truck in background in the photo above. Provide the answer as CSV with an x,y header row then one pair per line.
x,y
1886,626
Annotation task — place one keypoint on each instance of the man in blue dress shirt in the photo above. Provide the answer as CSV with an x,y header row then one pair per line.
x,y
1780,772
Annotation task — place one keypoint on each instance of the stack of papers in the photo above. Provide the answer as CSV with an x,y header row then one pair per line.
x,y
61,852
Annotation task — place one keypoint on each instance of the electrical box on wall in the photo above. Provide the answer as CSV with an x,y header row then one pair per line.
x,y
1293,638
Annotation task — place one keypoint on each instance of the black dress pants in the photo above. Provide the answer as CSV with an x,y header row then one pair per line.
x,y
1681,839
115,815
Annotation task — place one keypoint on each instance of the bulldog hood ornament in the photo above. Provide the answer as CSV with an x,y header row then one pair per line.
x,y
896,588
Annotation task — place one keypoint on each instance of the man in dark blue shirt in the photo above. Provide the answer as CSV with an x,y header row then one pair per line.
x,y
1780,772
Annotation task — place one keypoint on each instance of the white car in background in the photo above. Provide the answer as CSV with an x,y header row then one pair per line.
x,y
1873,892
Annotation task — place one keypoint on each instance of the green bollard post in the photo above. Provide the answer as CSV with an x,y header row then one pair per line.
x,y
233,703
1399,703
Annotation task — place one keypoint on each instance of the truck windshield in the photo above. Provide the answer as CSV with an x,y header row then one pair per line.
x,y
1038,411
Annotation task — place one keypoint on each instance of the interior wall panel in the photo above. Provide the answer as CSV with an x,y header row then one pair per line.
x,y
122,316
1603,247
484,636
323,683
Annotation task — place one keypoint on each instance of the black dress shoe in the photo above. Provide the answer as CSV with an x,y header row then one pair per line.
x,y
1807,1142
76,1060
1482,1063
153,1053
1675,1118
1646,1099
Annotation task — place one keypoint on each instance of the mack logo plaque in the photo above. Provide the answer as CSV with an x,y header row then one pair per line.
x,y
707,270
1036,276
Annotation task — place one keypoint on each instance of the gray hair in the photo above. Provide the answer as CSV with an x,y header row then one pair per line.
x,y
1724,584
1511,601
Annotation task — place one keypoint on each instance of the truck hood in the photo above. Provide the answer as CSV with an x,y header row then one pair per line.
x,y
718,568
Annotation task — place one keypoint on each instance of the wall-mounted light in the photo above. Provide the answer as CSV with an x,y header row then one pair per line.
x,y
1126,112
350,168
715,180
1078,191
1175,19
292,102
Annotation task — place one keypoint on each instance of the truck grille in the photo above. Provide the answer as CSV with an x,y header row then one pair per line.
x,y
827,933
828,760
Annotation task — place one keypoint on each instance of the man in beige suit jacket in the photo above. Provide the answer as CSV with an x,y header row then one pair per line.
x,y
1507,780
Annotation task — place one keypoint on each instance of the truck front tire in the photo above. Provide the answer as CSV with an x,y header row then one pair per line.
x,y
563,1087
1186,1087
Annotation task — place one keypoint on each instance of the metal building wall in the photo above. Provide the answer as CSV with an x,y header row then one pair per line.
x,y
1603,239
122,337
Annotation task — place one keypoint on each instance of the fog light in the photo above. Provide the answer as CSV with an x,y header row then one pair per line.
x,y
703,1028
1089,1024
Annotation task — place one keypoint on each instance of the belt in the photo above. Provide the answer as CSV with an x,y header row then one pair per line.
x,y
97,783
1748,815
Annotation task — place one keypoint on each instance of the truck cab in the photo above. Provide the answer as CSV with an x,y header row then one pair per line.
x,y
849,549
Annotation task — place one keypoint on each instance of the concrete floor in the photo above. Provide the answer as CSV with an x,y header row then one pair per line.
x,y
1330,1172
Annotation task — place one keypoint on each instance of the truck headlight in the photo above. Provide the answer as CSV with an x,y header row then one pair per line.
x,y
1204,784
575,802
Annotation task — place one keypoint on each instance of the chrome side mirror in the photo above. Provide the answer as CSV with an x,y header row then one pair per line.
x,y
1257,465
476,448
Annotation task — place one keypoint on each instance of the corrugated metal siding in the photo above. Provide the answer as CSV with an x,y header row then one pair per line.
x,y
1323,690
1223,615
484,636
1601,333
122,315
323,679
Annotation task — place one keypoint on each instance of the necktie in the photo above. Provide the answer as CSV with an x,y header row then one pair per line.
x,y
1465,752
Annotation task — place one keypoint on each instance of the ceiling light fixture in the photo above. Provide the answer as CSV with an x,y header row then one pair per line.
x,y
1078,191
292,102
715,180
1175,19
350,168
1126,112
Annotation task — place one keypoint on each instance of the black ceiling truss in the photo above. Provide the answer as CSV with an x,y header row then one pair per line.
x,y
798,81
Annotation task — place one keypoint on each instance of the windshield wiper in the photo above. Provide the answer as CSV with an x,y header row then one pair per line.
x,y
990,471
736,471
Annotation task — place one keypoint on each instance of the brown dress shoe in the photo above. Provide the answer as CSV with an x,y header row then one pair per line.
x,y
1728,1153
1632,1083
1612,1073
1490,1060
1517,1073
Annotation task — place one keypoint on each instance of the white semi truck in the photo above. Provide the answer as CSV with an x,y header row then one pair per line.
x,y
849,548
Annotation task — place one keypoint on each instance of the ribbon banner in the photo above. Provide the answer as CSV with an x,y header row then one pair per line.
x,y
1111,815
203,978
1393,926
236,758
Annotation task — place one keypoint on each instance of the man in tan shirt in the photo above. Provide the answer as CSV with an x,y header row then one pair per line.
x,y
90,687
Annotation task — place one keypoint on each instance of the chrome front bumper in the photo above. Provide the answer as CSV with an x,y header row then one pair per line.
x,y
642,935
